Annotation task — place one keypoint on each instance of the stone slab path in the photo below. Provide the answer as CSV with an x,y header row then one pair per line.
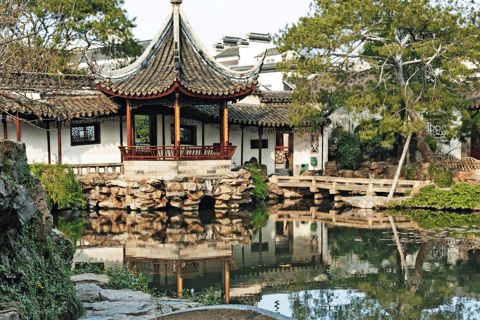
x,y
109,304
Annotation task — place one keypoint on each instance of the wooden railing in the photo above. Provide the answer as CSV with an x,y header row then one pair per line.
x,y
336,184
80,169
170,153
281,154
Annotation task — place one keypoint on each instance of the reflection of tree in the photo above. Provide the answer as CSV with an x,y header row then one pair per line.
x,y
366,244
404,294
259,218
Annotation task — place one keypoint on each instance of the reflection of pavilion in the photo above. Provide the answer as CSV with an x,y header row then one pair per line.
x,y
180,260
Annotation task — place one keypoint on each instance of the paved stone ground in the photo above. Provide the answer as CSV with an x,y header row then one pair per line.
x,y
126,304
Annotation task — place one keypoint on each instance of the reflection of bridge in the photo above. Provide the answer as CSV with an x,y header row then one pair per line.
x,y
371,221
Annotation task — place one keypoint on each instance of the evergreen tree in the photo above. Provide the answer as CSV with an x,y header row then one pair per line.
x,y
403,61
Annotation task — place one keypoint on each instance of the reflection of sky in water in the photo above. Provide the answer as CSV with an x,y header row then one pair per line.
x,y
327,269
458,308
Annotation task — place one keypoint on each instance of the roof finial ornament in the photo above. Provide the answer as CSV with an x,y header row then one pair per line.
x,y
176,1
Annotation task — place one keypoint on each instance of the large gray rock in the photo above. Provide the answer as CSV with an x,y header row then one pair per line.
x,y
370,202
101,280
88,292
11,314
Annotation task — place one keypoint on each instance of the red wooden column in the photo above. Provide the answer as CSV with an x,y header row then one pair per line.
x,y
223,128
226,280
59,134
177,126
4,121
130,140
179,279
17,125
260,132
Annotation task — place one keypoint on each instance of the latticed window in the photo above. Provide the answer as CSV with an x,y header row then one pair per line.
x,y
437,131
85,134
315,137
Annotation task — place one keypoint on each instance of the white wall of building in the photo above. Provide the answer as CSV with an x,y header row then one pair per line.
x,y
35,140
302,151
268,155
271,80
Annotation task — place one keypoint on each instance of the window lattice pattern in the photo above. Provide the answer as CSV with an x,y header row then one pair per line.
x,y
83,134
437,131
315,142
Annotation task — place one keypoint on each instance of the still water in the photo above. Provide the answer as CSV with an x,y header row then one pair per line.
x,y
304,260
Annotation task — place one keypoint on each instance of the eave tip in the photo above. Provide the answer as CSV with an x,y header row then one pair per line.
x,y
176,1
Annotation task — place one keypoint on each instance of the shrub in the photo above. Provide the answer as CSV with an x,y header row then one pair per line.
x,y
35,274
61,188
348,148
259,181
461,196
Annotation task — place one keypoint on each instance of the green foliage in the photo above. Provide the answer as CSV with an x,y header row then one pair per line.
x,y
461,196
120,277
379,59
259,181
61,188
208,298
439,219
72,228
443,178
35,273
259,216
348,148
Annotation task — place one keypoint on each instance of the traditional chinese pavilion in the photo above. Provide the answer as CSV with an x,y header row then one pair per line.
x,y
176,71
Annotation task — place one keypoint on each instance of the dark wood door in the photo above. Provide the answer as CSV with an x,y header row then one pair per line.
x,y
475,146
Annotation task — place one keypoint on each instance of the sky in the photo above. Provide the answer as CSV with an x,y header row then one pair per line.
x,y
213,19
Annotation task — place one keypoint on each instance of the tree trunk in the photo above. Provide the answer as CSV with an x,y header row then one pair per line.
x,y
427,153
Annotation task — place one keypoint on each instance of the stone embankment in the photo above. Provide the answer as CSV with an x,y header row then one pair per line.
x,y
105,304
115,191
367,169
117,227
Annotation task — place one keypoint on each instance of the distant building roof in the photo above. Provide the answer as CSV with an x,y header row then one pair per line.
x,y
270,52
259,37
277,98
229,52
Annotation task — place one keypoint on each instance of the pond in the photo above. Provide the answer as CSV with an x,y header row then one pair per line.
x,y
304,259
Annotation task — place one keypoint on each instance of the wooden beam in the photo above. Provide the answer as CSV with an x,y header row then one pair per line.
x,y
59,134
5,131
48,144
17,125
177,126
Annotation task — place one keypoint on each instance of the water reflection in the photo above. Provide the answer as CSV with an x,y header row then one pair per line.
x,y
304,259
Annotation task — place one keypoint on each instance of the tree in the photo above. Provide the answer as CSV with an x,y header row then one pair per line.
x,y
404,62
43,40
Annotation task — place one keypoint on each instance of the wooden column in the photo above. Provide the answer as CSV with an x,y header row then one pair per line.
x,y
5,132
226,276
177,126
223,127
260,132
130,138
179,279
48,144
59,133
121,130
17,125
203,134
163,130
241,150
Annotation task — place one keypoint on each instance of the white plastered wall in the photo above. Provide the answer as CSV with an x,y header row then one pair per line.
x,y
268,154
105,152
302,151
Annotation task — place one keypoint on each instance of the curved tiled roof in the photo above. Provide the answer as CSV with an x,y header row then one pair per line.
x,y
63,108
176,59
255,115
